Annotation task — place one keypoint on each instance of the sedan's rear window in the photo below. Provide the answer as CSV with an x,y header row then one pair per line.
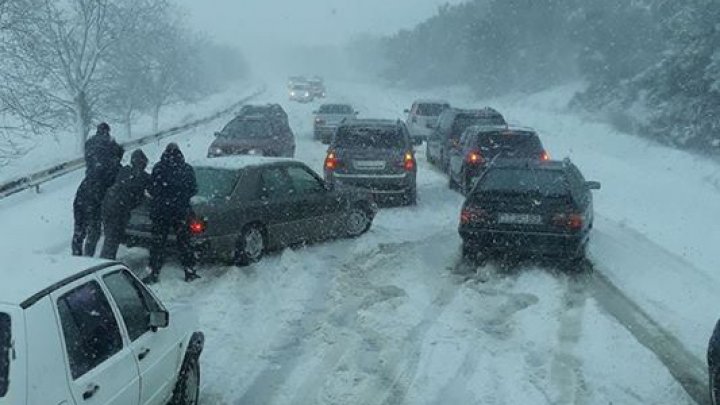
x,y
215,183
247,128
335,109
431,110
509,144
5,351
370,137
521,180
463,122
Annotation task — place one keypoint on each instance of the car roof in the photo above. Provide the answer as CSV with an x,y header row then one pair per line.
x,y
476,111
335,105
238,162
531,164
506,128
372,122
430,101
28,278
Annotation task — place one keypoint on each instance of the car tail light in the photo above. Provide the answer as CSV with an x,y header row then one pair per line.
x,y
475,158
409,162
544,156
197,226
573,222
473,214
331,161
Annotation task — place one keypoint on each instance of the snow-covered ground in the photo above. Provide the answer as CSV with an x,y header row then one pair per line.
x,y
394,317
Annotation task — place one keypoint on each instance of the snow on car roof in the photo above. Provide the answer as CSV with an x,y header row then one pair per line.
x,y
25,276
431,101
237,162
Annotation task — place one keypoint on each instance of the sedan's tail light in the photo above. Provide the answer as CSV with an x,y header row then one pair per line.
x,y
331,161
197,226
572,222
475,158
473,214
409,162
544,156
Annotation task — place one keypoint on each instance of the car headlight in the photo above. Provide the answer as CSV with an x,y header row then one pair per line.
x,y
292,93
216,151
307,94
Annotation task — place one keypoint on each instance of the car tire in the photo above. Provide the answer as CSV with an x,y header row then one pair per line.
x,y
428,156
411,197
714,386
578,262
250,246
358,221
187,389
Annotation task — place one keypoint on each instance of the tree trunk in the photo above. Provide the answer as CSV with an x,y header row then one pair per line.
x,y
82,120
127,121
156,118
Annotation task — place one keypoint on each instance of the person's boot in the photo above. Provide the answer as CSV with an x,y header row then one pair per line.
x,y
190,274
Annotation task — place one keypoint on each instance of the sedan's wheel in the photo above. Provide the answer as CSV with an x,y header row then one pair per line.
x,y
358,222
250,247
187,390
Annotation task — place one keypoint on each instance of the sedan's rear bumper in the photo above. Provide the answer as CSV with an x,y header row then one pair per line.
x,y
377,184
523,243
205,248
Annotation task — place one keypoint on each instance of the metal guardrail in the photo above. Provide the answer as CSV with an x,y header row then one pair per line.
x,y
34,180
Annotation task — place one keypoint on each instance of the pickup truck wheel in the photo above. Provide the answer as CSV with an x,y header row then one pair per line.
x,y
250,246
358,221
187,390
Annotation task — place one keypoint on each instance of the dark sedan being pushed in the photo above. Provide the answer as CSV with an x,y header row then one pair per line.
x,y
529,209
249,205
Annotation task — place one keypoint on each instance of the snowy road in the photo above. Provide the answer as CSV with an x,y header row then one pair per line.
x,y
395,317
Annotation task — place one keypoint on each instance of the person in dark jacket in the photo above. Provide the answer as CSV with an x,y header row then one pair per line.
x,y
126,194
102,160
172,185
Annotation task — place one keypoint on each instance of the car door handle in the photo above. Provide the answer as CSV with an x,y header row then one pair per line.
x,y
143,353
90,391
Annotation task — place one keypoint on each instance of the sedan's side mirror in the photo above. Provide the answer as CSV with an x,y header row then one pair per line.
x,y
592,185
159,319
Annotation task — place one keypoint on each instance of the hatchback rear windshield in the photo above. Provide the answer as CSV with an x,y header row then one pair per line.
x,y
247,129
5,351
374,137
511,180
432,110
335,109
463,122
215,183
510,144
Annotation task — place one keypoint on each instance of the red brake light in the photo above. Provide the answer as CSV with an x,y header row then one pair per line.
x,y
331,161
197,226
409,162
545,156
573,222
471,213
475,158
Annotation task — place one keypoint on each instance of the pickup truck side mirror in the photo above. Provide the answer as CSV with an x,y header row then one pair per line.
x,y
159,319
592,185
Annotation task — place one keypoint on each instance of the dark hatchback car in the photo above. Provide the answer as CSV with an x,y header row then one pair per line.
x,y
252,132
451,125
376,155
713,359
479,146
529,209
248,205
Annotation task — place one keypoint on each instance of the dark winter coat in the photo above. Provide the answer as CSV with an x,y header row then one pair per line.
x,y
126,194
172,186
102,160
88,200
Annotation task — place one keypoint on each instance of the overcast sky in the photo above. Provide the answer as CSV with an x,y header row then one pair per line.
x,y
306,22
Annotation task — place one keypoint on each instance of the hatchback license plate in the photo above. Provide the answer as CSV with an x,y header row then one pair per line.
x,y
369,164
520,219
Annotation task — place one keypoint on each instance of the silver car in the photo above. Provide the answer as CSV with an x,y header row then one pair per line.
x,y
422,118
327,119
301,92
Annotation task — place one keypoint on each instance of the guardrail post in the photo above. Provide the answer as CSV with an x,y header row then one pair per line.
x,y
37,188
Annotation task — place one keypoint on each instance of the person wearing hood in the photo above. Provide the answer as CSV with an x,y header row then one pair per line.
x,y
126,194
172,185
102,161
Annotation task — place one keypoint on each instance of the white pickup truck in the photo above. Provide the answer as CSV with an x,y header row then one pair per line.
x,y
82,331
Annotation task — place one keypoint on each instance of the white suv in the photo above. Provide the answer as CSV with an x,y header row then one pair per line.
x,y
422,118
83,331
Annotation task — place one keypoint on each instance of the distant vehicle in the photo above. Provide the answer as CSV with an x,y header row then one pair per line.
x,y
317,87
270,111
295,80
376,155
481,145
301,92
328,117
451,125
422,118
248,205
267,134
84,331
713,360
526,208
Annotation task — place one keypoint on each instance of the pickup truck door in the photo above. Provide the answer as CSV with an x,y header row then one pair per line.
x,y
101,367
157,352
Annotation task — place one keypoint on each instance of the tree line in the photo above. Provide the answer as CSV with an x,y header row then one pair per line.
x,y
651,64
66,64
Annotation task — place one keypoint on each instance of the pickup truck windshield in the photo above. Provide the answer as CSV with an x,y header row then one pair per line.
x,y
5,351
